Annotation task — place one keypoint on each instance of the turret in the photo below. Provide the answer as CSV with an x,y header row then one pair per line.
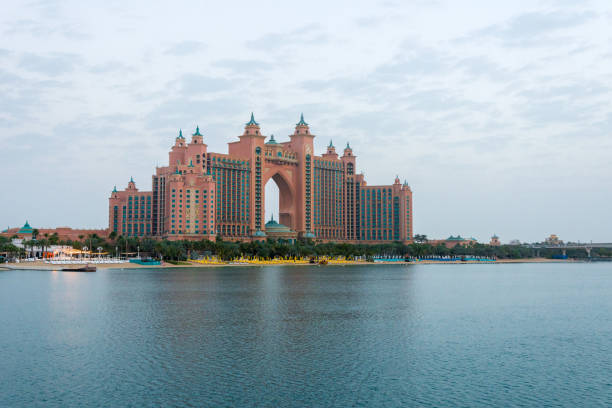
x,y
196,152
348,159
132,185
252,127
406,186
347,150
302,138
331,151
197,137
177,152
302,127
180,140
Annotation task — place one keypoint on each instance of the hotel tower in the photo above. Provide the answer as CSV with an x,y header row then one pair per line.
x,y
202,194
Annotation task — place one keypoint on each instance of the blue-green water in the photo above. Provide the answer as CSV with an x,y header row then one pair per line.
x,y
531,335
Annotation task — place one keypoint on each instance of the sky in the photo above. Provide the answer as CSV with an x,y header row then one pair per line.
x,y
496,113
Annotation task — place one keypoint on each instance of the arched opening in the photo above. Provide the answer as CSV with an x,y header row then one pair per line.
x,y
278,201
271,202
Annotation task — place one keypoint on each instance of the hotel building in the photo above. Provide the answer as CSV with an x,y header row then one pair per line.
x,y
202,194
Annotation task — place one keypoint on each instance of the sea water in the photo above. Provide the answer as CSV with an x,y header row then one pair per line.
x,y
494,335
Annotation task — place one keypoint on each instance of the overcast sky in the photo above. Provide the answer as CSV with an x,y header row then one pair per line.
x,y
496,113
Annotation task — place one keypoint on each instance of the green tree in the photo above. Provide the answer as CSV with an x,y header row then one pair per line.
x,y
420,238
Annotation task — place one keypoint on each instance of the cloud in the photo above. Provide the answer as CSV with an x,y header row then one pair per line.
x,y
23,99
185,48
190,85
415,61
173,113
50,64
111,67
44,28
244,66
306,35
481,66
534,28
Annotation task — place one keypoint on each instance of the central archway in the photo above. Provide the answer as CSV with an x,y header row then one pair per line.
x,y
286,212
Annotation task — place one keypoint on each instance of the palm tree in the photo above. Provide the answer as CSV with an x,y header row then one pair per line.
x,y
27,244
43,244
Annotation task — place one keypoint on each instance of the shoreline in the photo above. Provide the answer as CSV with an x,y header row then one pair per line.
x,y
38,265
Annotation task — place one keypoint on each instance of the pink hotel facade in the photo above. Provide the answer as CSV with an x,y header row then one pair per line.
x,y
202,194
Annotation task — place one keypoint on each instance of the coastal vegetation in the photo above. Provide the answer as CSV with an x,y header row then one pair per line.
x,y
227,250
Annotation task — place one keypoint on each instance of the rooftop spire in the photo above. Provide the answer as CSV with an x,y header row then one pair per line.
x,y
271,141
197,132
301,122
330,143
347,145
115,189
131,179
252,121
180,136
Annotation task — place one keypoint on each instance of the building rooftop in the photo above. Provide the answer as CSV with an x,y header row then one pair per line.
x,y
273,226
457,238
26,229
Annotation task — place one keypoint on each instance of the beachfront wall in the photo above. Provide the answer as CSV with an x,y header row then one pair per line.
x,y
201,194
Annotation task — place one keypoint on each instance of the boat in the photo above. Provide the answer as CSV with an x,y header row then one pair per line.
x,y
86,268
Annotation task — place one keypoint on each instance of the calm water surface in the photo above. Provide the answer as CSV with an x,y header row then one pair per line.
x,y
529,335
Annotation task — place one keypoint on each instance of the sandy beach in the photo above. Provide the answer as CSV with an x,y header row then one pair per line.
x,y
39,265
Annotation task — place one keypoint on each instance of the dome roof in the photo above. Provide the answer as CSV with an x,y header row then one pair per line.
x,y
273,226
457,238
26,229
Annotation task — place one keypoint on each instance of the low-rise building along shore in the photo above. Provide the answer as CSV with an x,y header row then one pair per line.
x,y
63,233
453,241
